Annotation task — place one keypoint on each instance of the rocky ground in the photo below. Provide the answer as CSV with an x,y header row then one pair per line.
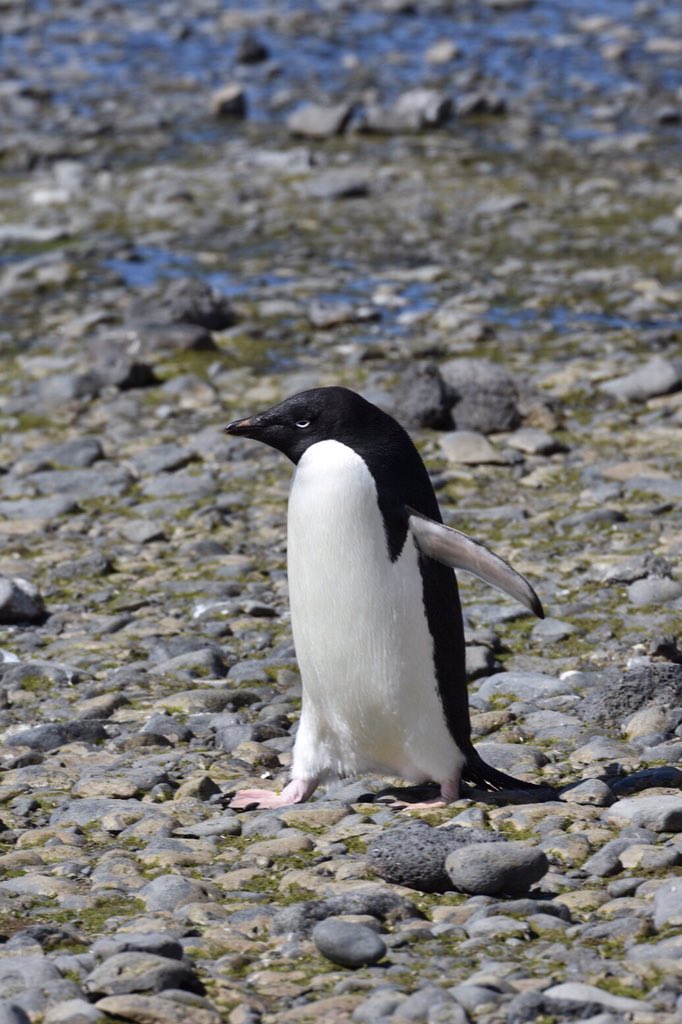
x,y
472,214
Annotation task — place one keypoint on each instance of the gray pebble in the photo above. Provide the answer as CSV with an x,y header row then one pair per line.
x,y
654,590
315,121
347,943
167,892
495,868
657,377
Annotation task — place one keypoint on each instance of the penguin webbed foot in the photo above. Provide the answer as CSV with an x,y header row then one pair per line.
x,y
296,792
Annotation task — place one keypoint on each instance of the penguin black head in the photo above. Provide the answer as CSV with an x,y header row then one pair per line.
x,y
321,414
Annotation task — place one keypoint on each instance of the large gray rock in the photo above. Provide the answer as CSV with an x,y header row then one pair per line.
x,y
657,377
414,855
140,972
616,696
658,813
488,869
486,396
423,399
57,734
32,983
347,943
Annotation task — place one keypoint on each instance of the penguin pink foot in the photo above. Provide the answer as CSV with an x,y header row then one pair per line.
x,y
449,792
297,792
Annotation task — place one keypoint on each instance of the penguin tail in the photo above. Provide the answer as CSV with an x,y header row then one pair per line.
x,y
484,776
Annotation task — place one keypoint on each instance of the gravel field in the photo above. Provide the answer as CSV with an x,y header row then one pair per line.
x,y
470,212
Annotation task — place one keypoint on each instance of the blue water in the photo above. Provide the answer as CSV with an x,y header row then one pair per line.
x,y
535,55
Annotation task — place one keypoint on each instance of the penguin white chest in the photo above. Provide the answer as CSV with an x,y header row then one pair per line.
x,y
365,652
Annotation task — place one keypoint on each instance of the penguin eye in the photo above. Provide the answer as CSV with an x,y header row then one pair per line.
x,y
302,424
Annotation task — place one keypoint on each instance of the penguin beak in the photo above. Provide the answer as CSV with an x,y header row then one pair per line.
x,y
244,428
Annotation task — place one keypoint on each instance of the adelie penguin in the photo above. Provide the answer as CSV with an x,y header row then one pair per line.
x,y
375,609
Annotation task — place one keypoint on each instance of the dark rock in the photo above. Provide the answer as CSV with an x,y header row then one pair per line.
x,y
348,944
314,121
414,855
157,943
477,104
423,399
125,373
618,696
140,972
165,725
229,101
251,50
54,735
174,338
20,601
485,395
666,647
300,918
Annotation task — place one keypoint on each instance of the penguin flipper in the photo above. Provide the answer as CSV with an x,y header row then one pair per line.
x,y
458,551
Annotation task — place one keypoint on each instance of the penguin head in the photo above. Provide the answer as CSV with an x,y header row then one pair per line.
x,y
321,414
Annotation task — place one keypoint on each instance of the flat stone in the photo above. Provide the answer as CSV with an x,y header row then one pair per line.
x,y
138,971
470,448
315,121
38,508
579,992
529,686
657,377
348,944
534,441
552,631
592,792
72,1011
490,868
658,813
145,1009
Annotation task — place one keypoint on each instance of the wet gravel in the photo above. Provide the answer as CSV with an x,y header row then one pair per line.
x,y
472,215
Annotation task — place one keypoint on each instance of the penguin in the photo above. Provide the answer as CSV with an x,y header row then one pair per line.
x,y
375,609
